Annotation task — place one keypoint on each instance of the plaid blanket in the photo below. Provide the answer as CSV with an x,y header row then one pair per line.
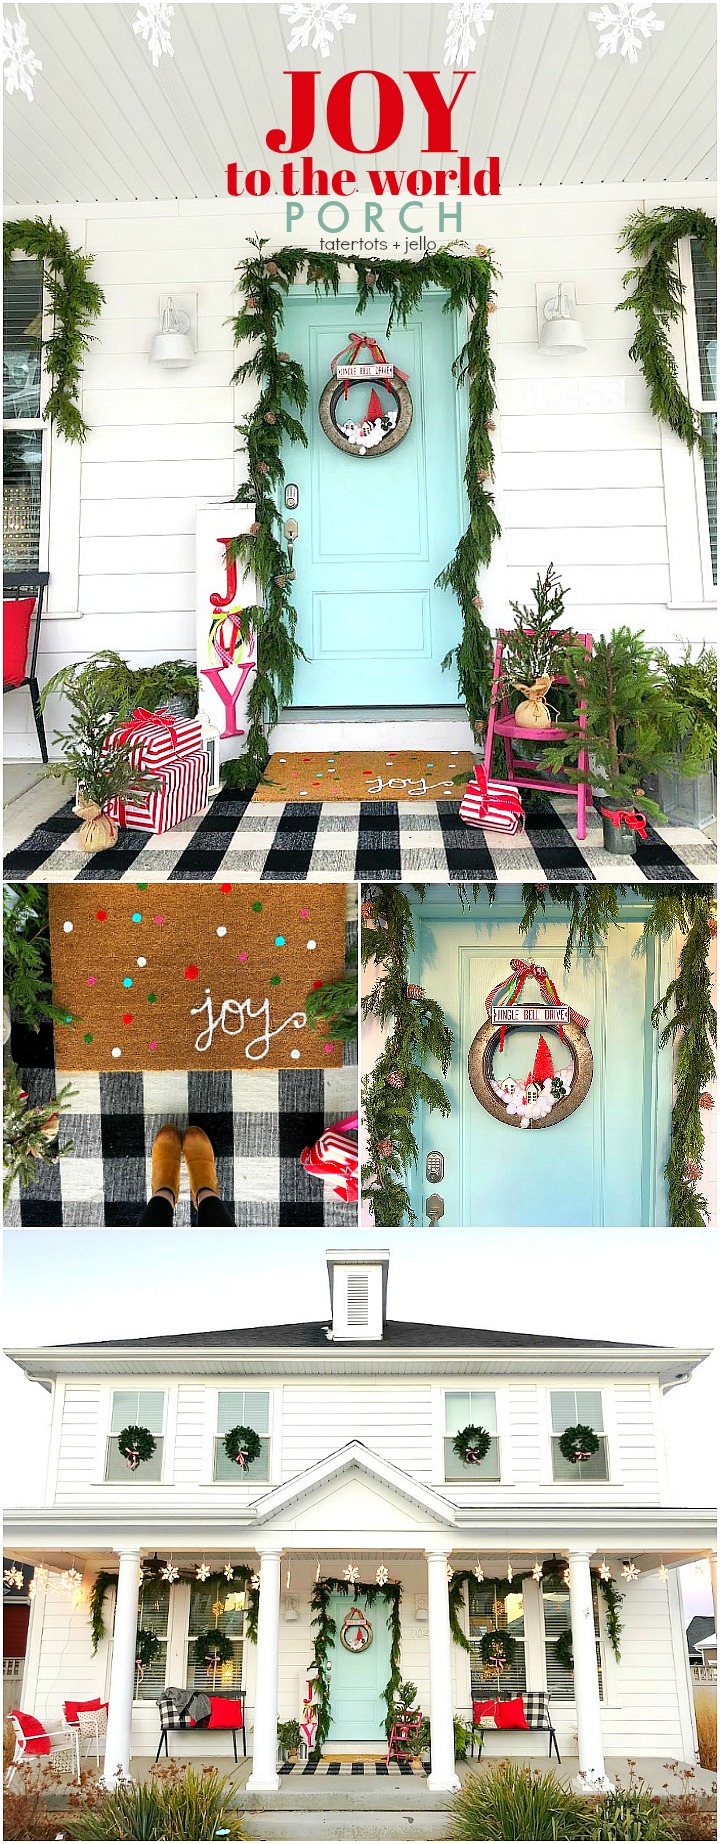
x,y
182,1709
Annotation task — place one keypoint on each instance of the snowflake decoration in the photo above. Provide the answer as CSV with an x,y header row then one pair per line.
x,y
449,1571
315,22
13,1577
202,1572
32,1589
536,1571
566,1577
229,1572
40,1580
625,27
663,1573
509,1571
255,1582
604,1572
479,1572
71,1580
169,1572
152,23
20,65
462,22
381,1576
351,1574
630,1571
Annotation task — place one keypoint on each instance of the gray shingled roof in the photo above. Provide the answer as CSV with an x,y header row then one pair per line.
x,y
700,1627
398,1334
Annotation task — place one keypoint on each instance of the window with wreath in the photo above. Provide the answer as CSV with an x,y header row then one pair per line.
x,y
572,1408
216,1609
489,1612
151,1658
702,378
135,1408
23,430
556,1615
242,1408
471,1409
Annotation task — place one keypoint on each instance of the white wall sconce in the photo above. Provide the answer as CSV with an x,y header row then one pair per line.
x,y
292,1611
172,347
559,329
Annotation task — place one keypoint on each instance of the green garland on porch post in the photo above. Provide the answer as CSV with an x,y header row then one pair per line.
x,y
325,1634
265,279
399,1082
75,303
652,238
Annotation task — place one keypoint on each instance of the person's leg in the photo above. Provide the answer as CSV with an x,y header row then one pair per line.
x,y
166,1157
204,1187
212,1212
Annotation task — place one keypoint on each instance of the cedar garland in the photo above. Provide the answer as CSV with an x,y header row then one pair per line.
x,y
652,238
106,1579
276,418
501,1588
325,1634
75,302
417,1031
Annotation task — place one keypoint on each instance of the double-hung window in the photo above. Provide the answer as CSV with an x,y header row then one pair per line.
x,y
242,1408
135,1408
556,1617
24,433
488,1612
153,1617
471,1409
701,354
570,1408
223,1609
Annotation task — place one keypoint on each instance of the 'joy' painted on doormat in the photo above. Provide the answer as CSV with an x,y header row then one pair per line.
x,y
373,774
212,977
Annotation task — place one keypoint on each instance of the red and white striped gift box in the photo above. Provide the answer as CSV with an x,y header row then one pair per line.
x,y
494,805
334,1155
156,738
181,791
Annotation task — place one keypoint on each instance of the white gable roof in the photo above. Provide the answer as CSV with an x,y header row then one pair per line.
x,y
355,1465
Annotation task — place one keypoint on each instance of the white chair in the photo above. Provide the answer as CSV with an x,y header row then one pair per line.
x,y
63,1753
92,1727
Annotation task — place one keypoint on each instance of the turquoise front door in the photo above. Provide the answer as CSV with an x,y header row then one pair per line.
x,y
358,1679
603,1165
375,531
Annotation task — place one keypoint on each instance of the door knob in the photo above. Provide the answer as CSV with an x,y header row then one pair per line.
x,y
291,532
434,1209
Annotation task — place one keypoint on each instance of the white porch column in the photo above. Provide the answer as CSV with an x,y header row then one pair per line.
x,y
122,1675
592,1776
442,1777
264,1777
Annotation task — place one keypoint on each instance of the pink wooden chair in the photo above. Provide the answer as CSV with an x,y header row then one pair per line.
x,y
403,1739
532,774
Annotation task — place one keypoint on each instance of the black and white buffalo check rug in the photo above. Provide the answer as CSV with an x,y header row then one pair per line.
x,y
378,841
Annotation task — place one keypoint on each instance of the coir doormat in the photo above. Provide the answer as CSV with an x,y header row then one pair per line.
x,y
211,977
375,774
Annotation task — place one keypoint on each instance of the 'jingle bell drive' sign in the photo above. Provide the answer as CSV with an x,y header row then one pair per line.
x,y
531,1014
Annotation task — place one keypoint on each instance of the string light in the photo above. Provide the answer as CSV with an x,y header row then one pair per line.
x,y
13,1577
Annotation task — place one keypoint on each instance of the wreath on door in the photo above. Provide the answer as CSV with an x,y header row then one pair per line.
x,y
545,1096
384,421
356,1633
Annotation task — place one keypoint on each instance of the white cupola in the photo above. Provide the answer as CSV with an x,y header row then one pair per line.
x,y
358,1293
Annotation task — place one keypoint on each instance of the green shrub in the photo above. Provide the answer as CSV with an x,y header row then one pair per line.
x,y
289,1735
173,1804
513,1800
629,1812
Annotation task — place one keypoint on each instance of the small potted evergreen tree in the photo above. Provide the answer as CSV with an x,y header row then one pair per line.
x,y
687,790
101,774
534,649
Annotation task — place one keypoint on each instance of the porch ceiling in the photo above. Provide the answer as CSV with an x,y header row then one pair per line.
x,y
105,126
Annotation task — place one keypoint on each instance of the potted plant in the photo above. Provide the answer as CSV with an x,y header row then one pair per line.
x,y
172,683
687,791
289,1738
534,649
30,1132
631,720
100,774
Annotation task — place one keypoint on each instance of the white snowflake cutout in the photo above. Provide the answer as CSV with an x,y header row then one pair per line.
x,y
152,23
463,22
351,1574
315,22
229,1571
625,27
536,1572
381,1576
202,1572
479,1572
13,1577
255,1582
170,1573
630,1571
20,65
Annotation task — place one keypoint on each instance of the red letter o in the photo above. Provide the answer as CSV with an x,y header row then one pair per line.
x,y
390,111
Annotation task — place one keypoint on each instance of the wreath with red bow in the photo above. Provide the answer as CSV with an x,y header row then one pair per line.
x,y
137,1445
578,1443
497,1650
383,424
471,1445
242,1445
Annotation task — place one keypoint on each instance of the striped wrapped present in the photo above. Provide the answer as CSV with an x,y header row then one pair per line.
x,y
335,1156
494,805
156,738
182,789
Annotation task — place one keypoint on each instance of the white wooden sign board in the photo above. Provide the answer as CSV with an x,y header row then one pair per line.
x,y
531,1014
226,663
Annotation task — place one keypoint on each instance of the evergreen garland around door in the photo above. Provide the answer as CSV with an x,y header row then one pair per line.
x,y
265,280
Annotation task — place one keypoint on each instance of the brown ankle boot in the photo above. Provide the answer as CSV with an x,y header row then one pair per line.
x,y
200,1162
166,1157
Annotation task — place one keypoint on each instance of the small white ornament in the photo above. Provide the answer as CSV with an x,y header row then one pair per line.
x,y
255,1582
381,1576
170,1573
663,1573
351,1574
32,1589
462,22
13,1577
317,1571
229,1572
630,1571
152,23
604,1572
537,1573
566,1577
449,1571
20,65
509,1571
479,1572
314,24
71,1580
625,27
202,1572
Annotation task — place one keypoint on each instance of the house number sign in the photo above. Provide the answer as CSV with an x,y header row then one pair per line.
x,y
356,1633
547,1094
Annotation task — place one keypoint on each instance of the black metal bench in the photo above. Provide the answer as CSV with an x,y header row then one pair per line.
x,y
536,1706
172,1722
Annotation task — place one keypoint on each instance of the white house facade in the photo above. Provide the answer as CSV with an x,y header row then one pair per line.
x,y
357,1483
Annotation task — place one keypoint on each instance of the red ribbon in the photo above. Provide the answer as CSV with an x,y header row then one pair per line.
x,y
635,822
357,341
141,720
525,970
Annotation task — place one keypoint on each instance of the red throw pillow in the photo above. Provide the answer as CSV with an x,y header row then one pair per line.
x,y
486,1714
511,1715
72,1710
17,616
225,1713
37,1740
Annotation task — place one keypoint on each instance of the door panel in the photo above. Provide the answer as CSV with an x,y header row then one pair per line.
x,y
374,532
358,1679
601,1166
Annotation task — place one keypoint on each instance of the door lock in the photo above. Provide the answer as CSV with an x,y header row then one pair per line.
x,y
291,532
434,1168
434,1209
